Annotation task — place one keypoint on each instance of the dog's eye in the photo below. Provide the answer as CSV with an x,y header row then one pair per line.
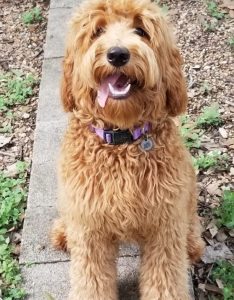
x,y
98,32
141,32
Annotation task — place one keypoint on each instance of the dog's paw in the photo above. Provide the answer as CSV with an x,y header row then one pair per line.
x,y
58,235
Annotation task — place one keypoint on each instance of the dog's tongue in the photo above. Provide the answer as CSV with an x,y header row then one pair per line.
x,y
103,91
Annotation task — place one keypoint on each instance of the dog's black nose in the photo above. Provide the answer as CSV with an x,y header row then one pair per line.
x,y
118,56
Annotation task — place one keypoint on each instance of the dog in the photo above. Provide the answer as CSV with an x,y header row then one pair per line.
x,y
124,173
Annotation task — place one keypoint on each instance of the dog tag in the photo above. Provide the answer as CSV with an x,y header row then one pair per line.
x,y
146,144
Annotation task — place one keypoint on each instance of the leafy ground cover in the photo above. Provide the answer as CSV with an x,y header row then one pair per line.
x,y
22,36
204,32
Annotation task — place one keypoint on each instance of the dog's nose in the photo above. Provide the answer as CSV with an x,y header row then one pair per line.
x,y
118,56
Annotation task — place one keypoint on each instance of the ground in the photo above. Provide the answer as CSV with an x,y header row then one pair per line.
x,y
205,35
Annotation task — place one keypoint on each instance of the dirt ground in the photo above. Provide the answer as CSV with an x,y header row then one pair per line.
x,y
206,46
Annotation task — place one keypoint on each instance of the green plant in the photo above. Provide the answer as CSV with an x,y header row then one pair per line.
x,y
224,271
15,89
214,11
209,116
231,42
12,199
190,134
225,212
212,159
210,25
32,16
205,88
164,8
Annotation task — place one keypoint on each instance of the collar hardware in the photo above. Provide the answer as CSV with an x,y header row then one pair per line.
x,y
118,137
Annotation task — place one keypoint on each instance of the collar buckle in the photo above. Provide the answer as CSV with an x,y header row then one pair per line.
x,y
117,137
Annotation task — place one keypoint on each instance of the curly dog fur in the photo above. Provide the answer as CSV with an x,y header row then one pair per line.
x,y
109,194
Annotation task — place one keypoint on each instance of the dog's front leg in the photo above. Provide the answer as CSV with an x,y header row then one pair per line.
x,y
93,268
163,274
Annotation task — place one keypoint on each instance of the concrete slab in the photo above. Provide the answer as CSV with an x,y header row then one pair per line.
x,y
36,246
64,3
56,31
43,186
49,106
44,282
48,136
52,280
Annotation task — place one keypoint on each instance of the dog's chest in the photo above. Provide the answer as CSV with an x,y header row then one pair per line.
x,y
122,188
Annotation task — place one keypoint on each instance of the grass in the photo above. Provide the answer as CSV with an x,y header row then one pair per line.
x,y
224,271
212,159
15,88
32,16
214,11
225,212
12,199
209,117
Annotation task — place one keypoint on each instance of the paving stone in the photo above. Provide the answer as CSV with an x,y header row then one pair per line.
x,y
47,140
36,246
44,280
52,279
64,3
56,31
49,106
43,185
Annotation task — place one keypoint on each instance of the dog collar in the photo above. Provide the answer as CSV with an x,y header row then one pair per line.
x,y
118,137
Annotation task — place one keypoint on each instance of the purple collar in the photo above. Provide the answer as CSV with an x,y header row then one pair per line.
x,y
118,137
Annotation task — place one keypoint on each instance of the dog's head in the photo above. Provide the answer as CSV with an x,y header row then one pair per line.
x,y
121,64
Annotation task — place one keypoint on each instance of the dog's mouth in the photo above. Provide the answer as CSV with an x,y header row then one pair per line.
x,y
116,86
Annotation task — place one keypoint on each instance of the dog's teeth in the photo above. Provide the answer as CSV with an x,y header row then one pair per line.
x,y
118,93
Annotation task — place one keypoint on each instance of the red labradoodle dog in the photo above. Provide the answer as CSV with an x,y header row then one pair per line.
x,y
124,173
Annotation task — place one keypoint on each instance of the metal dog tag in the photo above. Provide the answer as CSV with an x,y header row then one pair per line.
x,y
146,144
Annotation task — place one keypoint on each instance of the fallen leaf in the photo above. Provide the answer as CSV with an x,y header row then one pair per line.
x,y
219,252
231,13
202,287
232,171
213,288
219,283
213,189
231,232
223,132
221,236
228,4
12,170
213,229
49,296
4,140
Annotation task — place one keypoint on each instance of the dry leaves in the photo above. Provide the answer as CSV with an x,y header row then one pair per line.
x,y
229,4
217,252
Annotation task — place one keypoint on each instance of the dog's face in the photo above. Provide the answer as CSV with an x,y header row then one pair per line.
x,y
121,65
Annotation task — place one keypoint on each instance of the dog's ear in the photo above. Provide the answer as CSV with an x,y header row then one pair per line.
x,y
66,83
176,93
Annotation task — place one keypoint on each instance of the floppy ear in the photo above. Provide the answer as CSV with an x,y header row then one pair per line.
x,y
66,83
176,93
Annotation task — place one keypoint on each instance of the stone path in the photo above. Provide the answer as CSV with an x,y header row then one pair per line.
x,y
45,270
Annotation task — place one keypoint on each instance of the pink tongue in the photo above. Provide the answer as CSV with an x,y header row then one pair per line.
x,y
103,91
